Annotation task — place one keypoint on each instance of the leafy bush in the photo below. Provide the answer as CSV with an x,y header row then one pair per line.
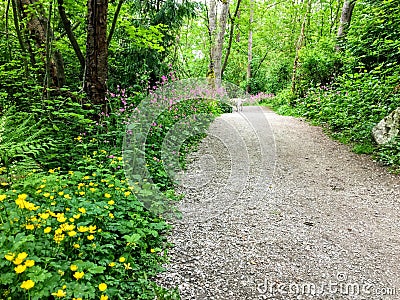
x,y
317,65
278,75
352,106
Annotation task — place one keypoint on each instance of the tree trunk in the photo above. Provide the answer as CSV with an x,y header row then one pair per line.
x,y
231,32
299,45
68,30
212,27
96,53
114,21
220,41
250,48
345,20
37,25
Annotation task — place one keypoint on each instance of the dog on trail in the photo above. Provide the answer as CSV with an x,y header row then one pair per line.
x,y
237,103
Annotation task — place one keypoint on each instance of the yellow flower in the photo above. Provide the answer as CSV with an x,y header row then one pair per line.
x,y
9,256
27,284
86,177
111,202
72,220
61,218
77,216
2,197
112,264
90,237
70,172
51,198
102,287
111,215
67,196
44,216
51,171
61,272
20,269
76,246
78,275
92,190
82,210
30,227
59,237
29,263
92,228
76,298
152,250
103,297
22,255
122,259
59,294
93,174
73,268
72,233
18,261
81,193
83,229
107,195
128,266
119,158
61,193
127,193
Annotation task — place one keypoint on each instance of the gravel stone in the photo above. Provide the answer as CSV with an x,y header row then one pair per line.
x,y
274,209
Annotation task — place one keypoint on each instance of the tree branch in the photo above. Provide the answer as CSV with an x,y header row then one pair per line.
x,y
114,21
70,34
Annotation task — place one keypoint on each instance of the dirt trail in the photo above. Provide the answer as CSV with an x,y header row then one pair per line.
x,y
276,210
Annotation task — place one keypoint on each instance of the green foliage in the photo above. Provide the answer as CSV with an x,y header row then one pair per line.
x,y
390,154
278,75
352,106
21,138
78,222
374,36
193,132
317,65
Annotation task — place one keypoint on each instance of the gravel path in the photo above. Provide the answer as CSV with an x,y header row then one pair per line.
x,y
276,210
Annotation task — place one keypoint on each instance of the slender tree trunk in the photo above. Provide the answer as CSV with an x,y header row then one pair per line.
x,y
231,32
345,19
48,52
299,45
96,53
250,48
21,41
68,30
114,21
212,27
220,41
9,53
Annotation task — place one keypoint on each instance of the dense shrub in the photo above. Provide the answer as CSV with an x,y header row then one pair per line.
x,y
318,64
